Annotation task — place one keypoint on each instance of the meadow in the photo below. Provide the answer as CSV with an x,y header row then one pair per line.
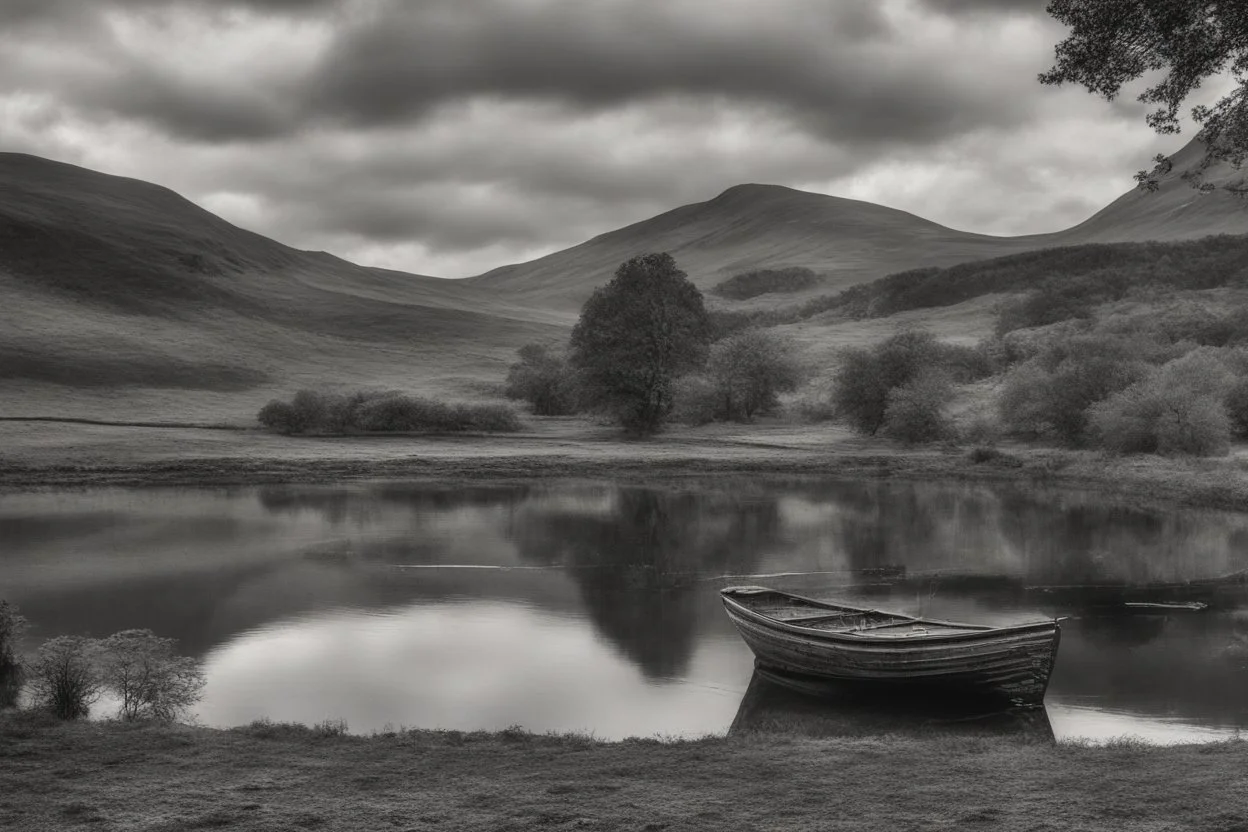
x,y
275,777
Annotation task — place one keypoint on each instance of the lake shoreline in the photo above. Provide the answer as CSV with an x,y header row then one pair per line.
x,y
147,458
265,776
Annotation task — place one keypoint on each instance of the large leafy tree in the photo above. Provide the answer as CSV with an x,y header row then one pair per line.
x,y
1114,42
635,336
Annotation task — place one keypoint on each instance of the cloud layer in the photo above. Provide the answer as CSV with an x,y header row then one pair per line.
x,y
451,136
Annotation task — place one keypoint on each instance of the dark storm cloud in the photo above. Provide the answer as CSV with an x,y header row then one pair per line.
x,y
842,69
32,11
830,64
190,108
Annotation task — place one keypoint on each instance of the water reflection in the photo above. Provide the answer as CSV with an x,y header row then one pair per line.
x,y
780,703
641,559
251,578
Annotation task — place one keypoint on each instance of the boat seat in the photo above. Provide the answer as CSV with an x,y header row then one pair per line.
x,y
820,618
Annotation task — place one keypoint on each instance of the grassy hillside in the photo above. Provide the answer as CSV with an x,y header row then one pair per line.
x,y
125,301
745,228
846,241
121,295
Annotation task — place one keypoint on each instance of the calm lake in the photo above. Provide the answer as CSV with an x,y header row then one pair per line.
x,y
593,607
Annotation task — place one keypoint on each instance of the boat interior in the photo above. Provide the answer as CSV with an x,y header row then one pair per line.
x,y
835,618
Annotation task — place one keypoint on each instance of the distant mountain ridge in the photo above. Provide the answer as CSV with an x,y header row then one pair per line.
x,y
769,226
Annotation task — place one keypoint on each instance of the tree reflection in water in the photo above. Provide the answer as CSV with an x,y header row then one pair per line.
x,y
641,563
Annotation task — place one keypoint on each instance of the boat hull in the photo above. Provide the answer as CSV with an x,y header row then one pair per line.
x,y
1009,662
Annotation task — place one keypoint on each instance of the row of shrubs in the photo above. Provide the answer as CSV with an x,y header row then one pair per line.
x,y
743,378
1131,395
902,386
320,412
1061,283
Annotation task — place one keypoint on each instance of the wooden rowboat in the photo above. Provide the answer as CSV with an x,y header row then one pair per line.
x,y
799,635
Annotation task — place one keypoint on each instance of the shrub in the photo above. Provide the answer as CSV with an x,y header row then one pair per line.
x,y
148,678
749,370
1179,409
916,410
765,281
1049,395
543,378
1237,407
866,376
695,400
12,626
281,417
63,677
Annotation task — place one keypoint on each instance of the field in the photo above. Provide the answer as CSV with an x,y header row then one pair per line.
x,y
112,776
41,453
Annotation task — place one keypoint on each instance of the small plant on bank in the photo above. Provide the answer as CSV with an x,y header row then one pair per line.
x,y
64,677
12,626
148,678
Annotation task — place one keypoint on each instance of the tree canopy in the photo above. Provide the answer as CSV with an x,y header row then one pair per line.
x,y
635,336
1114,42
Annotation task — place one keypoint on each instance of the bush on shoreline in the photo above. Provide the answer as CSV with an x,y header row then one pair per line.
x,y
318,412
12,626
863,389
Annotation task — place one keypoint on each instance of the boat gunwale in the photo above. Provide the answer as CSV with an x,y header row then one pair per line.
x,y
969,632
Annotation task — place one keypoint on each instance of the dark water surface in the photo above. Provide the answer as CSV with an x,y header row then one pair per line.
x,y
593,607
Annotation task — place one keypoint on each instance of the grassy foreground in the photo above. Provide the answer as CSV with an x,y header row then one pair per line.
x,y
108,776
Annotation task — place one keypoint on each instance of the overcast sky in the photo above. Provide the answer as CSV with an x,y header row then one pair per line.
x,y
447,137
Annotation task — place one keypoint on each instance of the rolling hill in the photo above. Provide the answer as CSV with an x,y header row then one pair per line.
x,y
123,300
766,226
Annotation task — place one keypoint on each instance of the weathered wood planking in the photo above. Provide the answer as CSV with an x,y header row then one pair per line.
x,y
800,635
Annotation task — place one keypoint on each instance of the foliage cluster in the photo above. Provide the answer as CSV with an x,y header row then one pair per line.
x,y
642,353
320,412
766,281
1071,277
543,378
1130,391
1176,46
12,626
901,386
141,670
